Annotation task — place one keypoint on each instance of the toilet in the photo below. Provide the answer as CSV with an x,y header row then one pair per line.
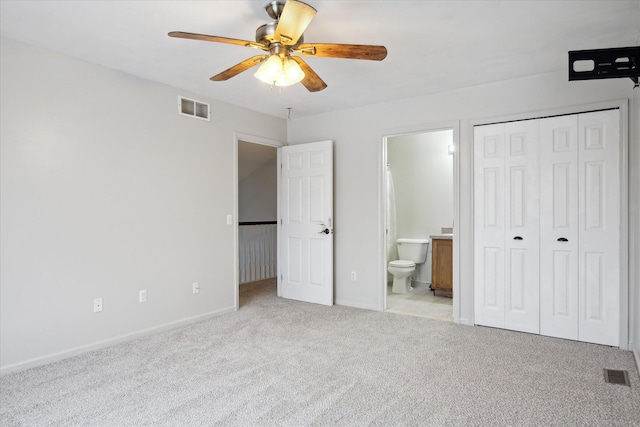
x,y
411,252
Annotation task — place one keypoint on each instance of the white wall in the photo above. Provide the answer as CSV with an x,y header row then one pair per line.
x,y
105,190
358,137
422,171
258,194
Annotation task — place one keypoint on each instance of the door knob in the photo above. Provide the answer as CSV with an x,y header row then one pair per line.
x,y
325,231
562,239
517,238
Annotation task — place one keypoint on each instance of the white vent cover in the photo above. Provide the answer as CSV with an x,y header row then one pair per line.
x,y
193,108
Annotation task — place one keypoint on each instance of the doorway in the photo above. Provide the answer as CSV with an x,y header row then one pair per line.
x,y
256,183
420,193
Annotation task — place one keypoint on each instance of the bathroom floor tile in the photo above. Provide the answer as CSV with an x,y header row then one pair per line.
x,y
420,302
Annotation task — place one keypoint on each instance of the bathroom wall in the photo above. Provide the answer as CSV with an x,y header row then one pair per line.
x,y
422,171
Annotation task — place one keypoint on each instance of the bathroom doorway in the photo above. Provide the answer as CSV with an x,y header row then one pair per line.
x,y
419,188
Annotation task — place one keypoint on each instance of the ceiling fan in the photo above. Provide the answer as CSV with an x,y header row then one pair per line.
x,y
282,38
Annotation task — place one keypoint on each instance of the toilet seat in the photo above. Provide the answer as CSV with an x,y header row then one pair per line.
x,y
400,263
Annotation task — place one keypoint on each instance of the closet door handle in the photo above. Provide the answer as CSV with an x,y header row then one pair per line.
x,y
562,239
518,238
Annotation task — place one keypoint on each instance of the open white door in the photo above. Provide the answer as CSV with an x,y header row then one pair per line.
x,y
306,234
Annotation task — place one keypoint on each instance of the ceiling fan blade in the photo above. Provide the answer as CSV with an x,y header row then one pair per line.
x,y
350,51
238,68
206,38
296,17
311,80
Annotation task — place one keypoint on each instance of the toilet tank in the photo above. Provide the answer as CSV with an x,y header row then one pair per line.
x,y
413,249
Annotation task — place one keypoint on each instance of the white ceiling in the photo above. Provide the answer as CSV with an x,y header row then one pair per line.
x,y
433,46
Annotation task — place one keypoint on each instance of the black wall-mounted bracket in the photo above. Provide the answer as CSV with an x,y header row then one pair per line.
x,y
605,64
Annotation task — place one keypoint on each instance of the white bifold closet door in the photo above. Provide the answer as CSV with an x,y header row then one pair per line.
x,y
559,227
547,226
506,226
580,227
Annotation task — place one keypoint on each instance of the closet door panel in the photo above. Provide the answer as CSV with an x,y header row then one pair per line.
x,y
559,227
599,233
522,204
489,225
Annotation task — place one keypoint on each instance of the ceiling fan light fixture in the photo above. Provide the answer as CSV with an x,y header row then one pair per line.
x,y
270,70
292,73
277,71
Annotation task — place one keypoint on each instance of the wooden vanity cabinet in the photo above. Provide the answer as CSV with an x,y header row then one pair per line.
x,y
442,267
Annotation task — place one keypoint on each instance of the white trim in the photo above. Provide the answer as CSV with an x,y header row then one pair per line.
x,y
626,329
238,136
453,125
278,222
356,304
576,109
44,360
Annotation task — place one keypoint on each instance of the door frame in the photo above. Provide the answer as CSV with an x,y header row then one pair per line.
x,y
626,295
238,136
453,125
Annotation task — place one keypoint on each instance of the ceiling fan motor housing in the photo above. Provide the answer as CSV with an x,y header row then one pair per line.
x,y
266,34
274,9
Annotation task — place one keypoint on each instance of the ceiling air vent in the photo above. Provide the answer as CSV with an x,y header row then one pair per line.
x,y
193,108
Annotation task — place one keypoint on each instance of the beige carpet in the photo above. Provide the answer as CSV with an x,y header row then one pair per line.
x,y
283,363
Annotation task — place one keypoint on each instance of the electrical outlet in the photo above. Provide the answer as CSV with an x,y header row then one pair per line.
x,y
353,276
97,305
143,296
196,287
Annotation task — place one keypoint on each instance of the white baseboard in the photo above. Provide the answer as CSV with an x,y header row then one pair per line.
x,y
636,355
464,321
357,305
45,360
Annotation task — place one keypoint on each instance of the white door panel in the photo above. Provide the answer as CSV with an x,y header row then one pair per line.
x,y
489,225
599,233
559,227
307,210
506,228
522,226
